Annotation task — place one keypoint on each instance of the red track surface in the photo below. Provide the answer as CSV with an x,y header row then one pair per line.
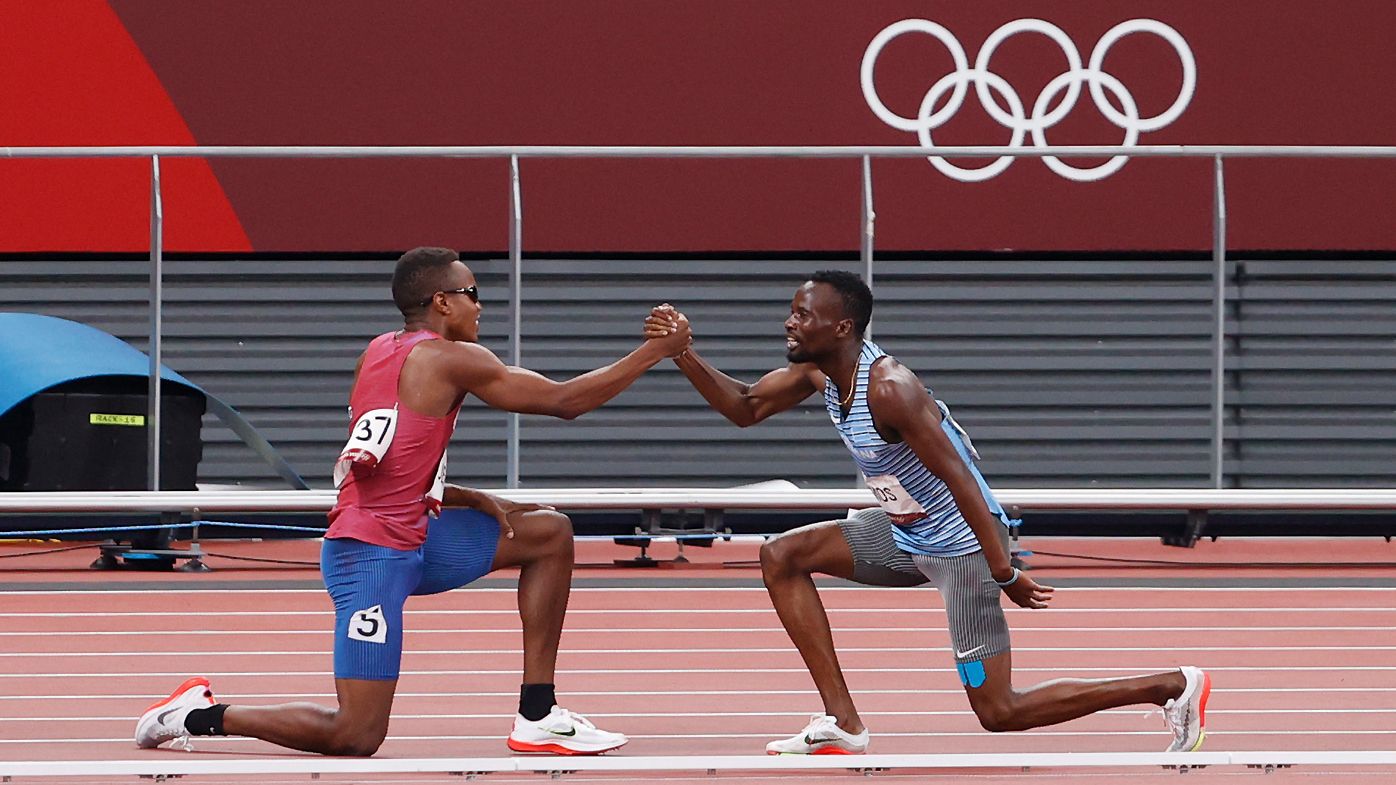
x,y
703,670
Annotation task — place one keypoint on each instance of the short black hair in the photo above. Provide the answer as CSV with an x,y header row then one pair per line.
x,y
419,274
857,297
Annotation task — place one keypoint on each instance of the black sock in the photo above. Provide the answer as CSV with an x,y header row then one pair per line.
x,y
206,722
536,701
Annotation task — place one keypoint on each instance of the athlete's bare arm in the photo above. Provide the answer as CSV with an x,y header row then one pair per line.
x,y
474,369
747,404
902,410
498,508
744,404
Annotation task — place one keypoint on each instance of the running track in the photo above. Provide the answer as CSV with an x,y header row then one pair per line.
x,y
691,664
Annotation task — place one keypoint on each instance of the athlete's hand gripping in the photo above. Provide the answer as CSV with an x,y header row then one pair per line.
x,y
1026,592
494,506
669,328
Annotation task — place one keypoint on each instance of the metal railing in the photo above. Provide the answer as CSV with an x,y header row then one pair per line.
x,y
866,240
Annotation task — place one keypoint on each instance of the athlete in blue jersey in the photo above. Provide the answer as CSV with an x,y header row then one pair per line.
x,y
937,522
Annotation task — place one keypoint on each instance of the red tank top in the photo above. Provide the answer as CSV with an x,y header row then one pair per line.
x,y
386,505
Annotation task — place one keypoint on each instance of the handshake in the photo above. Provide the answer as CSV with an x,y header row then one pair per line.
x,y
668,329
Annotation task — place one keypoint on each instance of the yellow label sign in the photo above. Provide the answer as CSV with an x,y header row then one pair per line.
x,y
117,419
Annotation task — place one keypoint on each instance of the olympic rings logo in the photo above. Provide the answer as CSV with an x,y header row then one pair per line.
x,y
1015,118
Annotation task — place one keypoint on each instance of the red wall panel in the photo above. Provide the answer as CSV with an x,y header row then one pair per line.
x,y
696,72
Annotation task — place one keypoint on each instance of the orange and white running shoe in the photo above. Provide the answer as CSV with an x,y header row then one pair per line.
x,y
164,721
822,736
1186,714
562,733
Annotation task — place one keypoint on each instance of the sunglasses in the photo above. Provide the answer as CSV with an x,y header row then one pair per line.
x,y
469,291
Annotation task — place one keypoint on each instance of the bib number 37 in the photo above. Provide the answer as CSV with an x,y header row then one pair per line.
x,y
369,440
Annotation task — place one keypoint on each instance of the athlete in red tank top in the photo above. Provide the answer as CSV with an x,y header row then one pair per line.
x,y
382,546
388,504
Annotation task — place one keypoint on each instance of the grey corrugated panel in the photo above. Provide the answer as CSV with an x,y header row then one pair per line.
x,y
934,368
1316,361
581,466
1317,449
1354,428
1323,468
1307,400
1260,310
666,398
1318,365
1338,481
1356,327
1300,269
1300,340
1069,372
939,294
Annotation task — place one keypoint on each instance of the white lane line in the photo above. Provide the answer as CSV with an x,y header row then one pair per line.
x,y
646,694
165,592
677,630
219,740
707,671
800,715
565,651
1056,610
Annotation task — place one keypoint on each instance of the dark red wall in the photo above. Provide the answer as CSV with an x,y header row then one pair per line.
x,y
665,73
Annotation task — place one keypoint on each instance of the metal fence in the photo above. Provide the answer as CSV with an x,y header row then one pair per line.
x,y
866,239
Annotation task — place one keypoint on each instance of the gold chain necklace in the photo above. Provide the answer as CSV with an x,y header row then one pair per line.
x,y
852,387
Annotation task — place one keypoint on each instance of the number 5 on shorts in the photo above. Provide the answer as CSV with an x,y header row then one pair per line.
x,y
369,625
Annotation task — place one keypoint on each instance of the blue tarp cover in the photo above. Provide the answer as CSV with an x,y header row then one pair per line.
x,y
38,352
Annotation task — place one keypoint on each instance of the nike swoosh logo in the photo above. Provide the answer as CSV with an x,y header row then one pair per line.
x,y
813,740
161,719
570,732
971,651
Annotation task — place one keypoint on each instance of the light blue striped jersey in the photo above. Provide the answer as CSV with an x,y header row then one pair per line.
x,y
925,517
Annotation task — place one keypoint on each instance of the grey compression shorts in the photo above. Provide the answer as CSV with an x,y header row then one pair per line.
x,y
978,629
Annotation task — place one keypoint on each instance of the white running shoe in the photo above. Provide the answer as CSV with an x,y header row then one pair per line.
x,y
822,736
562,733
164,721
1186,714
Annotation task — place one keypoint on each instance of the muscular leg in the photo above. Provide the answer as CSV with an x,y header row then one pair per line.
x,y
542,548
786,564
368,584
357,727
1001,708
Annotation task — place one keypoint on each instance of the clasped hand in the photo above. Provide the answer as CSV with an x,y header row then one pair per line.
x,y
669,328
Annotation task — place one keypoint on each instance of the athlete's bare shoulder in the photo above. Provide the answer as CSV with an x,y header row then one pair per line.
x,y
464,362
441,350
889,369
890,383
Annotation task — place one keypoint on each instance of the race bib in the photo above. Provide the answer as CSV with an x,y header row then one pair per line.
x,y
369,441
895,500
438,489
369,625
438,485
964,435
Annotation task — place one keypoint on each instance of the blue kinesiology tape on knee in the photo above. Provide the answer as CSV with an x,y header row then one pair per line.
x,y
971,673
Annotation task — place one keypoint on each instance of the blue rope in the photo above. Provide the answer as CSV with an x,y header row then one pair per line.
x,y
155,526
272,526
42,532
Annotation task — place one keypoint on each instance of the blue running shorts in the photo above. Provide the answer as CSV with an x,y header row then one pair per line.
x,y
370,583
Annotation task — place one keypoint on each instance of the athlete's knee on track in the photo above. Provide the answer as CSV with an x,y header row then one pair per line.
x,y
356,742
995,716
